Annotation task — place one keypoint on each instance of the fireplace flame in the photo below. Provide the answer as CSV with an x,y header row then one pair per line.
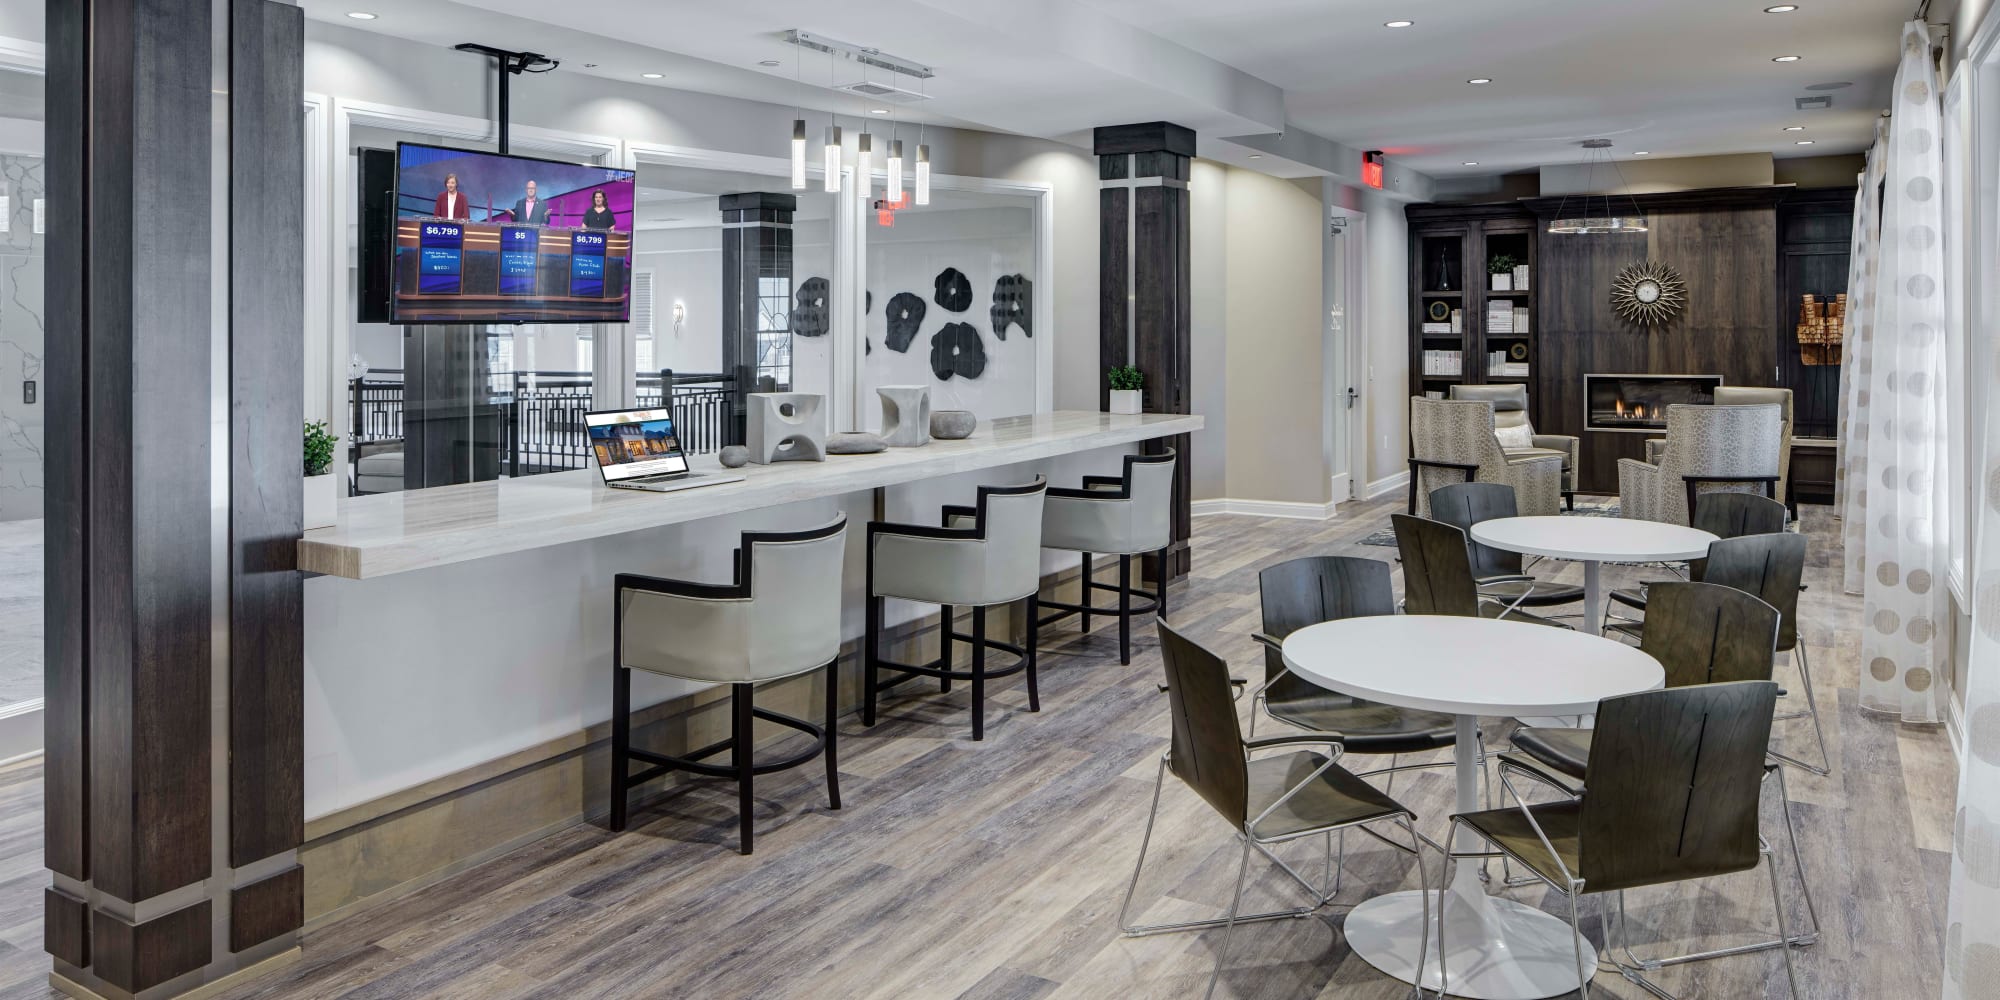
x,y
1620,406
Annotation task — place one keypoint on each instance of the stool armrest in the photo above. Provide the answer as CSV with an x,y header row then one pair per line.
x,y
952,511
1089,493
920,531
682,588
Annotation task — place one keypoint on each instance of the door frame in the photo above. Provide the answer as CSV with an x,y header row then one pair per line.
x,y
1344,288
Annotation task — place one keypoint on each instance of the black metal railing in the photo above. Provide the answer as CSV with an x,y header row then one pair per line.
x,y
545,431
702,404
375,402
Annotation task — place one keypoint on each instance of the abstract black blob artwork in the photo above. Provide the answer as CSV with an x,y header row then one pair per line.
x,y
867,302
956,350
905,314
1012,303
810,315
954,292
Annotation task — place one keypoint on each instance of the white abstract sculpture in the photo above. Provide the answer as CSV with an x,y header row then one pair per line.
x,y
786,427
906,415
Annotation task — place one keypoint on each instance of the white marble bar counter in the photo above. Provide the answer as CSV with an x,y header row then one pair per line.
x,y
400,532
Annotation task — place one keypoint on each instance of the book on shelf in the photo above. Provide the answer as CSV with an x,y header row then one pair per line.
x,y
1458,321
1443,363
1520,319
1499,318
1495,361
1433,394
1438,328
1514,369
1520,277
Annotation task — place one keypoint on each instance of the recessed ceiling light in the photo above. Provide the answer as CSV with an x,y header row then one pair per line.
x,y
1470,163
767,62
1480,80
1397,24
1256,156
1783,8
1795,128
1804,142
878,111
360,15
653,76
1785,59
1642,152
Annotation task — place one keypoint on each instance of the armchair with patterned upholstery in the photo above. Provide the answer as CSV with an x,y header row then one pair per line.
x,y
1510,411
1708,449
1750,395
1452,441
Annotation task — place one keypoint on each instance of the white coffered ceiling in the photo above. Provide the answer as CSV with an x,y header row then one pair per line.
x,y
1673,77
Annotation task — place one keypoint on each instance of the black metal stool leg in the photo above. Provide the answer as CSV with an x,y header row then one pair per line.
x,y
944,646
1034,640
742,743
978,673
621,741
1125,610
871,634
1085,587
832,732
1161,582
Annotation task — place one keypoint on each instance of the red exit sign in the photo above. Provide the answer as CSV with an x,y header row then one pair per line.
x,y
1371,168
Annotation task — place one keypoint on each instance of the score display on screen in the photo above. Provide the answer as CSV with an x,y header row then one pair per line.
x,y
485,238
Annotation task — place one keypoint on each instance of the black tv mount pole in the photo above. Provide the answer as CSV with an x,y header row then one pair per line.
x,y
509,64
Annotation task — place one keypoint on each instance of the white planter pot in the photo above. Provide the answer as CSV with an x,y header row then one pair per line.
x,y
1503,282
322,504
1124,401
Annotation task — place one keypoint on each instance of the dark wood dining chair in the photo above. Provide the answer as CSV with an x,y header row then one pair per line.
x,y
1499,573
1438,577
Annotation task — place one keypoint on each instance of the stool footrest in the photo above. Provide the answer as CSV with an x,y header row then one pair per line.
x,y
692,761
1065,609
936,668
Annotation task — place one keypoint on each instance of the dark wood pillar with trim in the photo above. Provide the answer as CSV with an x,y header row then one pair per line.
x,y
1144,315
756,247
173,783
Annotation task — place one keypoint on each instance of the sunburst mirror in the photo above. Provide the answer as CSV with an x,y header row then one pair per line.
x,y
1649,294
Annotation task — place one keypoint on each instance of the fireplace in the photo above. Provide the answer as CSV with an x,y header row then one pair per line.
x,y
1638,403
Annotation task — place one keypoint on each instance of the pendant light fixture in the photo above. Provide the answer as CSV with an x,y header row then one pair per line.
x,y
895,192
831,153
798,126
923,163
864,164
1607,218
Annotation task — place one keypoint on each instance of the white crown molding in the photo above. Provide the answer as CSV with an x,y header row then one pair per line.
x,y
23,56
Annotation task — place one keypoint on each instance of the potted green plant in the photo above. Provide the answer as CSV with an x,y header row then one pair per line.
x,y
1126,381
1501,267
321,496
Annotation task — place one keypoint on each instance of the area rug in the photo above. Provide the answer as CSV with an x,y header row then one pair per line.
x,y
1584,508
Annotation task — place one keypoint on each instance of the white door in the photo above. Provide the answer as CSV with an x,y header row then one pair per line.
x,y
1343,345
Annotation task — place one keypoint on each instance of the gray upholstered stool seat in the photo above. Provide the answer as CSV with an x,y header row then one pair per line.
x,y
980,557
381,472
779,618
1126,516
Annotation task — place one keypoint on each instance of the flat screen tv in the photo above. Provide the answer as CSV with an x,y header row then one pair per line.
x,y
483,238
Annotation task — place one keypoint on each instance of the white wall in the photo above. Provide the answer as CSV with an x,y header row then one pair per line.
x,y
1208,294
1275,385
686,265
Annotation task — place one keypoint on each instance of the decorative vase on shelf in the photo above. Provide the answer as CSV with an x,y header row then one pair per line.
x,y
1125,401
1443,271
1503,282
322,502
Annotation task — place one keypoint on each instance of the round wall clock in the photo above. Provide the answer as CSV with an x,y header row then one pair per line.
x,y
1439,312
1649,294
1518,352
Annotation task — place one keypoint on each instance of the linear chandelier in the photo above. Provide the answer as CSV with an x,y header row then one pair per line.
x,y
1608,219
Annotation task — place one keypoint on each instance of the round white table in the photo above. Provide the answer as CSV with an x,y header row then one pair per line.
x,y
1594,541
1469,667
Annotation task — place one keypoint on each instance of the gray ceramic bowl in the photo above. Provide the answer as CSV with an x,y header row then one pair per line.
x,y
951,425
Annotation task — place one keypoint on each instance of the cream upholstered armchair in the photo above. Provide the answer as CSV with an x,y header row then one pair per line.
x,y
1750,395
1708,449
1452,441
1517,433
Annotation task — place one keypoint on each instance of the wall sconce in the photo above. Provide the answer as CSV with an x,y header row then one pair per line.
x,y
680,316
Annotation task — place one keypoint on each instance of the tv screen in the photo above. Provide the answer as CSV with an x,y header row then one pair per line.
x,y
485,238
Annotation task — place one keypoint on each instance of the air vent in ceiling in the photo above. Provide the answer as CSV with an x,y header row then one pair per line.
x,y
1818,102
883,92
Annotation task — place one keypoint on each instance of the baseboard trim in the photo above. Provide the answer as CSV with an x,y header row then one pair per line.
x,y
1388,484
1264,508
20,731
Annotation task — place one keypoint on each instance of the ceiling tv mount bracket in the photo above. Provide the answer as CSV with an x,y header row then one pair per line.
x,y
509,64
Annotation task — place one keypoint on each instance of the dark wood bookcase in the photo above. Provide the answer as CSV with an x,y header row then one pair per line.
x,y
1450,246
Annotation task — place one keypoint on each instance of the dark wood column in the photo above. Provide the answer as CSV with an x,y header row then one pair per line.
x,y
756,244
1144,315
160,808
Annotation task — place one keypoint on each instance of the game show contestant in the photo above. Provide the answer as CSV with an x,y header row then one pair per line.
x,y
452,204
531,210
600,215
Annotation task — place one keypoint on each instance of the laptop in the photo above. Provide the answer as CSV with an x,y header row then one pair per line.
x,y
639,450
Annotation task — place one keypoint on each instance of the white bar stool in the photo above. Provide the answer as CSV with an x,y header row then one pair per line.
x,y
1123,516
780,618
981,557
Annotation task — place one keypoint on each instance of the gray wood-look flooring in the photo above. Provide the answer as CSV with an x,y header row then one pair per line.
x,y
995,870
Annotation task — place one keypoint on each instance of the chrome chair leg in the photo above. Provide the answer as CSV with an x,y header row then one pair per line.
x,y
1778,905
1804,663
1229,927
1423,891
1798,865
1576,941
1146,840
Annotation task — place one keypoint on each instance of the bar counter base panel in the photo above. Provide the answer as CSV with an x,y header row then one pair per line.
x,y
69,986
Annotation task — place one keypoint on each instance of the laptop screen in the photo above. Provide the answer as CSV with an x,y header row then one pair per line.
x,y
631,444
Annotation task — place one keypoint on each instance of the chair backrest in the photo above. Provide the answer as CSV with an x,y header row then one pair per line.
x,y
1437,568
1674,779
1207,748
1733,515
795,581
1768,566
1010,520
1510,402
1311,590
1751,395
1459,432
1704,633
1463,505
1722,440
1149,480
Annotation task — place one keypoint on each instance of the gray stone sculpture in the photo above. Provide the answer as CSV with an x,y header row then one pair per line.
x,y
855,443
786,427
952,425
906,415
734,456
